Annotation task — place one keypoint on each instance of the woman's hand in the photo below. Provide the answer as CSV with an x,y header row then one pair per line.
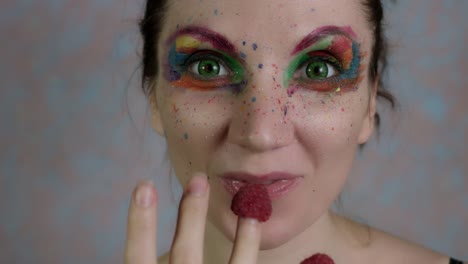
x,y
187,247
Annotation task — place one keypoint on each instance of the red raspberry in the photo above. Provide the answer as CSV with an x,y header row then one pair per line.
x,y
252,201
318,259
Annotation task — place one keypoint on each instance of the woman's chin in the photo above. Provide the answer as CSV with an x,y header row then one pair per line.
x,y
275,232
269,243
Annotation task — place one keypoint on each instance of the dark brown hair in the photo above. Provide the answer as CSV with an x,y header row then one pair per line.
x,y
152,22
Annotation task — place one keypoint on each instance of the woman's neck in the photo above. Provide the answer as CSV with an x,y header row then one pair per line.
x,y
330,234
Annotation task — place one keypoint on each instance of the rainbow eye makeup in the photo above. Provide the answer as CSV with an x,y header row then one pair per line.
x,y
328,59
193,66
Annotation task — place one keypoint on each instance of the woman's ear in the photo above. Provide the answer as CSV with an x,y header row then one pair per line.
x,y
156,120
369,120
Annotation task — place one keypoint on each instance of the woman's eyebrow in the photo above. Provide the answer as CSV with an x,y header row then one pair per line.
x,y
204,34
320,33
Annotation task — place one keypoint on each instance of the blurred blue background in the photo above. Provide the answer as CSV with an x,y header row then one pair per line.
x,y
75,137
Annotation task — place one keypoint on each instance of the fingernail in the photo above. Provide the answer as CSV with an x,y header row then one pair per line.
x,y
198,185
249,221
145,195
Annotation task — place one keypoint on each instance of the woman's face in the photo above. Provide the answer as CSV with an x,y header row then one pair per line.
x,y
260,87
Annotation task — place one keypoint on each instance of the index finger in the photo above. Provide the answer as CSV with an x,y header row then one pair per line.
x,y
187,246
247,242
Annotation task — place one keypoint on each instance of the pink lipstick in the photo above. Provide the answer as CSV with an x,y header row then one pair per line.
x,y
277,184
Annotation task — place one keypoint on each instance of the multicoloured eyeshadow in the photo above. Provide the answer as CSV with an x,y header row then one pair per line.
x,y
336,47
186,49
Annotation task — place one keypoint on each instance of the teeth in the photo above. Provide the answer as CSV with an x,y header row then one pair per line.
x,y
273,181
238,183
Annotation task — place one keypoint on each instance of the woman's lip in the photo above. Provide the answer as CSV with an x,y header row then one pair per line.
x,y
278,184
252,178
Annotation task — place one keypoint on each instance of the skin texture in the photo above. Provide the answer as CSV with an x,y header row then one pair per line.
x,y
264,127
216,132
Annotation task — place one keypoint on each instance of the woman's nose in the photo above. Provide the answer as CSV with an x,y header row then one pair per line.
x,y
260,120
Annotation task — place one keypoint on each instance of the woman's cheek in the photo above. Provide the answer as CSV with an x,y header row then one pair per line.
x,y
193,123
330,121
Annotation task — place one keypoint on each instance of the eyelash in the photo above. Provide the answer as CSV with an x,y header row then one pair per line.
x,y
232,72
201,55
326,58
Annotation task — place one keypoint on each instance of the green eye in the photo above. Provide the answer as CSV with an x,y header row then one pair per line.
x,y
319,70
207,68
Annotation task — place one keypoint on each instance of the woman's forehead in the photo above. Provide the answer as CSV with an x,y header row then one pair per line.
x,y
274,21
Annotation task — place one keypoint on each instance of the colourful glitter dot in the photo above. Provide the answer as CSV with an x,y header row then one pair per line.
x,y
254,99
243,55
260,66
338,90
254,46
243,43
